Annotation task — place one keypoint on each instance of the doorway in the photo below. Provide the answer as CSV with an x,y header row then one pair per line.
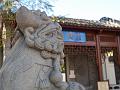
x,y
110,66
81,65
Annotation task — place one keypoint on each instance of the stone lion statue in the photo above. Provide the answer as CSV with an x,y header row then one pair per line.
x,y
34,61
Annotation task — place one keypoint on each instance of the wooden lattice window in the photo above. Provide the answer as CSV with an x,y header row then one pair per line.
x,y
76,50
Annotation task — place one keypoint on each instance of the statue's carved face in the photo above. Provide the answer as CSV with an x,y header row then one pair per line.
x,y
52,38
39,31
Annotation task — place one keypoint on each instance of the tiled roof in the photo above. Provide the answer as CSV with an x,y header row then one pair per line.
x,y
90,23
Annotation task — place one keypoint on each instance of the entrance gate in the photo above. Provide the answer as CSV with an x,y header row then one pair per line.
x,y
81,65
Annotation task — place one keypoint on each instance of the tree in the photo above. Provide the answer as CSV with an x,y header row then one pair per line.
x,y
7,12
1,48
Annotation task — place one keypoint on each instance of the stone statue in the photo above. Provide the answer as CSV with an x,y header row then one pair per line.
x,y
34,61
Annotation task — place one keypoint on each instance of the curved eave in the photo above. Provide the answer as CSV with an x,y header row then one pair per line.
x,y
91,27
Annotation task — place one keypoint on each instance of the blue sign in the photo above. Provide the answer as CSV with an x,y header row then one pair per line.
x,y
70,36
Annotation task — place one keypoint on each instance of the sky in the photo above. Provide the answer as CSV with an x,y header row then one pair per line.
x,y
86,9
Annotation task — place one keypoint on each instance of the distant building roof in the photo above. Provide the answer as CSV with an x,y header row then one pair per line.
x,y
103,23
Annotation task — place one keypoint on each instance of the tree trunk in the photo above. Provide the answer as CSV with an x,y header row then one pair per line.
x,y
1,45
1,56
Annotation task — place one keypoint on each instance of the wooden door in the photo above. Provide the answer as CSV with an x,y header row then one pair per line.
x,y
85,70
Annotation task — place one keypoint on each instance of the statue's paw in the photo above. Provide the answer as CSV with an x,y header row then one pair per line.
x,y
62,85
75,86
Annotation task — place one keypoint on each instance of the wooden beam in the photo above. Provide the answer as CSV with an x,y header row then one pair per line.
x,y
67,67
108,44
118,46
98,56
88,43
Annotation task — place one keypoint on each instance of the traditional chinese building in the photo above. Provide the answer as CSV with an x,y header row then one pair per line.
x,y
92,51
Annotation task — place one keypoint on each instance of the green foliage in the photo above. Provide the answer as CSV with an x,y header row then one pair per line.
x,y
9,21
7,15
30,4
7,5
58,19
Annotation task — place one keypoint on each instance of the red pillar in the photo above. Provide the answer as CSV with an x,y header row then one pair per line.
x,y
118,46
98,55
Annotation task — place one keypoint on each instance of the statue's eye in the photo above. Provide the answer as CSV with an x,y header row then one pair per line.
x,y
49,35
